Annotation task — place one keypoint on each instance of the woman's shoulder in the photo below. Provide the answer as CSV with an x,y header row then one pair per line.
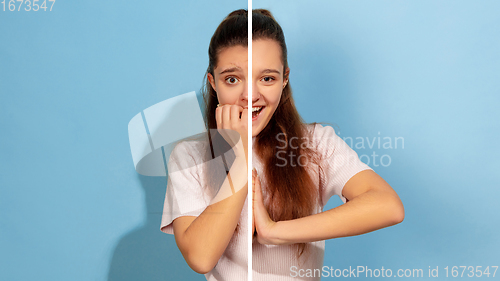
x,y
322,138
192,144
318,132
190,151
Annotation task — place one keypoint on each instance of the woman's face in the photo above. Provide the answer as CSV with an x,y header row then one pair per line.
x,y
230,79
268,82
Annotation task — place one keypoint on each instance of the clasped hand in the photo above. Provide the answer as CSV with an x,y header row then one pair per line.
x,y
262,223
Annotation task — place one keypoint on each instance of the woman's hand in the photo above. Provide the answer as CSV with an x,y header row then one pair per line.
x,y
234,130
264,225
228,117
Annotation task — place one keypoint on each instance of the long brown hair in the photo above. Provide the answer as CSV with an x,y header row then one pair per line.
x,y
292,192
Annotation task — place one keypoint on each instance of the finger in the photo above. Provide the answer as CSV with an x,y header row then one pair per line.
x,y
218,117
254,174
244,117
253,186
244,113
259,209
258,191
226,116
235,115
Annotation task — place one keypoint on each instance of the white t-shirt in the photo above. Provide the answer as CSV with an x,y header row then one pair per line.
x,y
188,195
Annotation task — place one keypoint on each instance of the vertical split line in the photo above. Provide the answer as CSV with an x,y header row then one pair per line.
x,y
250,149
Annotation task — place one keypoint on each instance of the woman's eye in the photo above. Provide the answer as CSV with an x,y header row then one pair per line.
x,y
231,80
268,79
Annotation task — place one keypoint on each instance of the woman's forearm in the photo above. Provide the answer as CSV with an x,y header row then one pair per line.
x,y
368,212
206,237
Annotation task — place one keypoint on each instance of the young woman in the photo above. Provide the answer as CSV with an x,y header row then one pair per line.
x,y
297,168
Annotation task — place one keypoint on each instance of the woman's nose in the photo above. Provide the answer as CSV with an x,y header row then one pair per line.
x,y
255,94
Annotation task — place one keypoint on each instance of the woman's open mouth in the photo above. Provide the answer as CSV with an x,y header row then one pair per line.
x,y
256,112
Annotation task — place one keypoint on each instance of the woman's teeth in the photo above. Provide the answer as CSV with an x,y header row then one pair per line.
x,y
256,111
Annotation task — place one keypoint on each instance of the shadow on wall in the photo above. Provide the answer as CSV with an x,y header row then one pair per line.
x,y
146,253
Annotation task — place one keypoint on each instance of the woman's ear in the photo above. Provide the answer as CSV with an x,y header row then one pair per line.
x,y
211,80
285,77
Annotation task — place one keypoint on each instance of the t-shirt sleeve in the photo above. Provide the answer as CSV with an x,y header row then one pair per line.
x,y
185,195
338,162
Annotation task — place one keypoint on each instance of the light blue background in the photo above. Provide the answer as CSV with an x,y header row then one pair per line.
x,y
73,206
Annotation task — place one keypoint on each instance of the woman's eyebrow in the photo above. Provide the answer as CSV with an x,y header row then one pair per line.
x,y
232,69
271,71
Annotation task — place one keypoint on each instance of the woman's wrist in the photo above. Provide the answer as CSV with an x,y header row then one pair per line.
x,y
276,234
240,148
